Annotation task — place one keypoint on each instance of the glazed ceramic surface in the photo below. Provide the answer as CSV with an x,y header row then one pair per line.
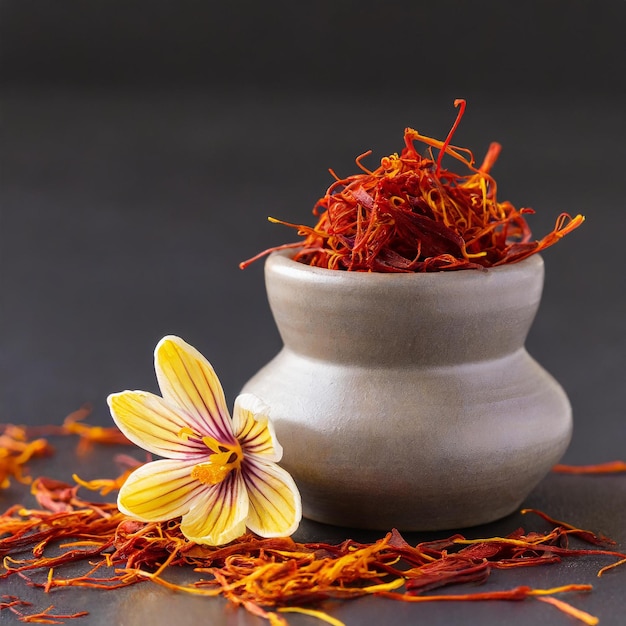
x,y
409,400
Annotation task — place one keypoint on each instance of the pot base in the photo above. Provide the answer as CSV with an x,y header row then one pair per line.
x,y
410,509
415,448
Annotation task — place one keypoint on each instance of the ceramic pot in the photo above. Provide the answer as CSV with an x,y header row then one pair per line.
x,y
409,400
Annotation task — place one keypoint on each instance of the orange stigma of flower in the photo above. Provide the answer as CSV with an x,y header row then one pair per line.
x,y
224,459
217,468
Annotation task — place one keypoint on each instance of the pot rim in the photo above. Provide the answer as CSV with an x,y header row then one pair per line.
x,y
283,262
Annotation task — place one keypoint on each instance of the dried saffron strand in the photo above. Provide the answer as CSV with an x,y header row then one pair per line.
x,y
104,485
411,215
568,609
320,615
88,435
537,546
12,601
612,467
606,568
73,425
16,449
46,617
42,617
586,535
519,593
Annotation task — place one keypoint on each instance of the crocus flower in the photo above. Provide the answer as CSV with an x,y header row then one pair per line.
x,y
219,474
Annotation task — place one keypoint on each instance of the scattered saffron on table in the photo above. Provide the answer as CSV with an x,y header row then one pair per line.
x,y
269,578
412,215
20,444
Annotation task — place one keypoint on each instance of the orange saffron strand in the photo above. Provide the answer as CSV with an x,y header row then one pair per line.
x,y
104,485
586,535
568,609
15,451
73,425
518,593
446,143
606,568
46,617
320,615
612,467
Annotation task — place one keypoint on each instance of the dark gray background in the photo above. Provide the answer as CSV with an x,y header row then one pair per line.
x,y
396,50
144,144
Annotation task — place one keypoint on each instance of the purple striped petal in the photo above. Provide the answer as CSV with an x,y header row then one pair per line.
x,y
153,424
159,491
275,504
254,429
187,379
218,514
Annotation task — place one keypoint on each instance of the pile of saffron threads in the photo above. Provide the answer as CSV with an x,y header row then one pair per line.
x,y
412,215
267,577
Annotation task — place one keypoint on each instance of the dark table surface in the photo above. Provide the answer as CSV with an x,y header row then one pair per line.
x,y
124,218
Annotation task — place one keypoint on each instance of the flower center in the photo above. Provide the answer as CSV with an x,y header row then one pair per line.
x,y
224,459
218,466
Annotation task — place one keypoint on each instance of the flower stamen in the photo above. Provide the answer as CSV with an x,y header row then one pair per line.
x,y
213,444
187,434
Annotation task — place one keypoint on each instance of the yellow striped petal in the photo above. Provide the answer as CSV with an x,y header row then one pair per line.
x,y
159,491
275,504
218,514
153,424
253,428
187,379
